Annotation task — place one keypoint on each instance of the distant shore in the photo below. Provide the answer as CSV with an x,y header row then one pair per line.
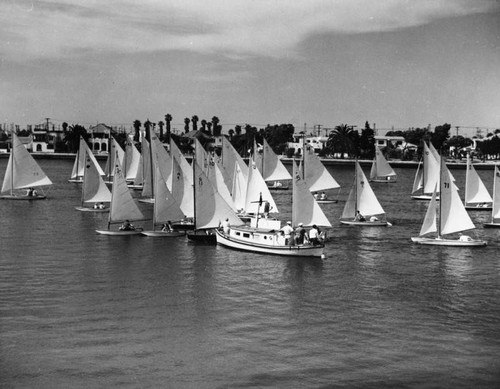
x,y
458,164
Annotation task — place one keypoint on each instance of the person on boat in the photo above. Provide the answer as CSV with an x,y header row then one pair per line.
x,y
167,227
96,206
31,192
374,219
267,208
314,235
101,206
226,226
323,196
316,196
288,231
127,226
359,217
300,234
464,238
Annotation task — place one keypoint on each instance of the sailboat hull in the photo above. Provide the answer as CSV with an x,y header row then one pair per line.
x,y
448,242
76,180
163,234
367,223
423,197
119,233
22,197
249,241
491,225
384,180
479,207
327,201
87,209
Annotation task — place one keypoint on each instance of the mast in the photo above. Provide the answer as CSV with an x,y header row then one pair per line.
x,y
441,183
12,164
193,162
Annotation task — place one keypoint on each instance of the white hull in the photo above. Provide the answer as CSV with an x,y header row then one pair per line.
x,y
479,207
119,233
163,234
147,201
367,223
97,210
448,242
76,180
327,201
423,197
250,244
22,197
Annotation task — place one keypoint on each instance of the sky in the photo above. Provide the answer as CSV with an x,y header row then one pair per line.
x,y
394,63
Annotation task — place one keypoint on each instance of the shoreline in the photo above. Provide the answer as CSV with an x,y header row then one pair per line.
x,y
288,161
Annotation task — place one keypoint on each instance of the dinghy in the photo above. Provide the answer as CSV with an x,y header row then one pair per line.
x,y
495,210
381,171
476,195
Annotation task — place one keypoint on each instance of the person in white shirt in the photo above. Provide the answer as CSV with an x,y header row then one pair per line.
x,y
288,231
314,235
226,226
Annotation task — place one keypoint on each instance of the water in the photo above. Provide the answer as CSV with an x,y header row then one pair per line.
x,y
82,310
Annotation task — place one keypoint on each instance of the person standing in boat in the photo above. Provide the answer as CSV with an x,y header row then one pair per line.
x,y
314,235
226,226
288,231
300,234
127,226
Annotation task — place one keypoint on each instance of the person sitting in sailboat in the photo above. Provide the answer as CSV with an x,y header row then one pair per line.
x,y
323,196
167,227
374,219
359,217
316,196
464,238
101,205
127,226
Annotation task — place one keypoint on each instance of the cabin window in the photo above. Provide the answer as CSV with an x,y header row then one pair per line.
x,y
246,235
237,234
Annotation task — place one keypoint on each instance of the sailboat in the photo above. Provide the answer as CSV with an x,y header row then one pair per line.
x,y
132,162
362,201
261,238
316,175
476,194
273,171
80,163
123,208
94,189
22,172
115,153
381,171
210,208
453,217
495,211
165,208
427,176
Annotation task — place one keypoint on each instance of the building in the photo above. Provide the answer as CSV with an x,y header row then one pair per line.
x,y
316,142
100,135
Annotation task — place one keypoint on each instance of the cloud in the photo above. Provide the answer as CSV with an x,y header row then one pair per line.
x,y
66,28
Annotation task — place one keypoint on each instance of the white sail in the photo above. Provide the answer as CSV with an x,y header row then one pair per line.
x,y
316,175
115,152
453,215
495,211
123,206
437,157
163,159
175,152
132,159
230,157
305,209
147,170
475,191
166,207
182,189
93,189
361,198
139,177
22,169
257,190
418,182
271,167
430,225
211,208
239,189
380,167
430,170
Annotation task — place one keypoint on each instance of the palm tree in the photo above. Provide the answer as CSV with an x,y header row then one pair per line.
x,y
186,125
137,128
341,140
215,124
231,133
168,120
194,120
203,126
160,126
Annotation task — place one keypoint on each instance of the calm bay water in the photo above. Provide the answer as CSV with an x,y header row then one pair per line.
x,y
82,310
